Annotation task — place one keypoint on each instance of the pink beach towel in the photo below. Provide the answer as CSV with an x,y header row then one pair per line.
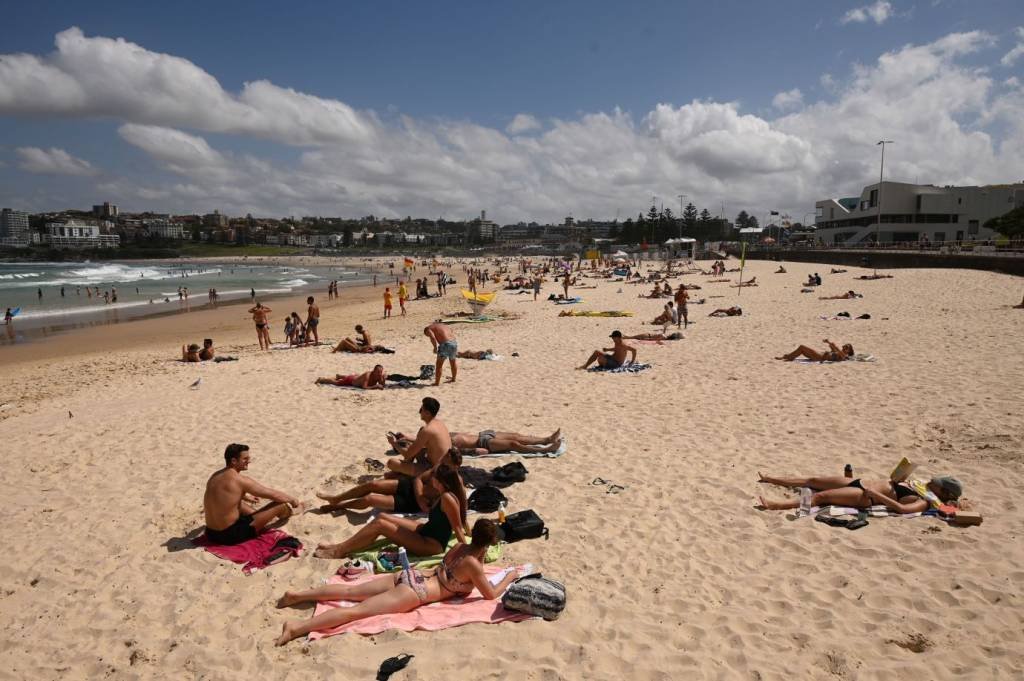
x,y
252,554
453,612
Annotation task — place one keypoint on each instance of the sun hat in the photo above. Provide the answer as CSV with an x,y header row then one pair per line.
x,y
950,484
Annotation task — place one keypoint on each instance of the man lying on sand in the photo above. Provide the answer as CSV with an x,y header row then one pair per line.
x,y
733,311
503,442
193,353
752,282
428,449
835,271
833,354
404,494
459,573
368,380
422,538
849,295
840,491
475,354
675,335
617,358
229,517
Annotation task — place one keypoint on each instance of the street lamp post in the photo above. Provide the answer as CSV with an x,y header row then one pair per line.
x,y
681,197
881,170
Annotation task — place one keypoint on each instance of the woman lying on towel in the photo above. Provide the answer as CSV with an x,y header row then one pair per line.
x,y
833,354
428,538
459,572
398,495
840,491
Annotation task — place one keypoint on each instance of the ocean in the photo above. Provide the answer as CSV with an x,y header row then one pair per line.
x,y
60,295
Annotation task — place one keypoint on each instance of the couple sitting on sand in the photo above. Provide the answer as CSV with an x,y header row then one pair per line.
x,y
362,343
840,491
192,353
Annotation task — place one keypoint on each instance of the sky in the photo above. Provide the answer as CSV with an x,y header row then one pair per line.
x,y
528,110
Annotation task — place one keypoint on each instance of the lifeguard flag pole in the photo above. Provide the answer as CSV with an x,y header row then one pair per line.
x,y
743,262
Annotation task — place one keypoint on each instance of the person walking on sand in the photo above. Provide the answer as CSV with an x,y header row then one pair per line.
x,y
536,287
403,295
260,315
445,347
312,321
617,358
681,297
230,517
8,316
387,301
565,285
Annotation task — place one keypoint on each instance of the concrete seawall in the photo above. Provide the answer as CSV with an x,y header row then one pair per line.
x,y
882,260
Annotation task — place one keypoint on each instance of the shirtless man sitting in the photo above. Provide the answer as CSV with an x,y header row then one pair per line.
x,y
362,342
230,518
501,442
193,353
427,450
733,311
368,380
849,295
260,316
617,358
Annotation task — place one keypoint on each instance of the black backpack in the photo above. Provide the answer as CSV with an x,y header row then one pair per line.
x,y
509,473
486,499
523,525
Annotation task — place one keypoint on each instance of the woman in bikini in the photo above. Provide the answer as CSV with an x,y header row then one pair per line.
x,y
447,515
841,491
833,354
398,495
459,573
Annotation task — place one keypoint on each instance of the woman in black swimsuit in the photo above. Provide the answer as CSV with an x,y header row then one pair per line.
x,y
428,538
833,354
840,491
459,573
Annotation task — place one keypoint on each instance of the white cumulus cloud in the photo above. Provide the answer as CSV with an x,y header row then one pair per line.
x,y
790,99
53,161
1011,57
522,123
877,12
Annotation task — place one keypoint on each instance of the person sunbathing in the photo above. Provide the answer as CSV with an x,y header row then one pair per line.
x,y
502,442
675,335
733,311
461,570
833,354
841,491
368,380
871,277
835,271
846,296
476,354
421,538
403,494
362,343
744,284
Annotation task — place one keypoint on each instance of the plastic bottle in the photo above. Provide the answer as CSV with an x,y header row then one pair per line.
x,y
501,512
805,501
411,577
848,471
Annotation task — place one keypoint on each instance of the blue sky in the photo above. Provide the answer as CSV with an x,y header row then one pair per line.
x,y
457,72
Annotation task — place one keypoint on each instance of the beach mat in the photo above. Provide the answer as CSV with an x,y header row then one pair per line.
x,y
288,346
454,612
859,357
877,511
625,369
382,546
595,313
252,555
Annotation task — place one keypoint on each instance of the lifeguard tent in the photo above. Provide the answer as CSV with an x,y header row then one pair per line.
x,y
682,247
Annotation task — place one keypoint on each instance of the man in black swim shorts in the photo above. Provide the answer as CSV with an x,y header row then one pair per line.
x,y
230,518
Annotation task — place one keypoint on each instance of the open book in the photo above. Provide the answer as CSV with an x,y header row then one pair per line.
x,y
903,470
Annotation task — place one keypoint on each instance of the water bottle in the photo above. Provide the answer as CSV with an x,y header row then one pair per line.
x,y
805,501
848,471
501,512
410,576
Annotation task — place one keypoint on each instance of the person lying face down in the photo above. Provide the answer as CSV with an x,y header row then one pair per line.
x,y
841,491
461,570
368,380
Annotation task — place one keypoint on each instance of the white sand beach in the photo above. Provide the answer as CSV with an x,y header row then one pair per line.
x,y
106,452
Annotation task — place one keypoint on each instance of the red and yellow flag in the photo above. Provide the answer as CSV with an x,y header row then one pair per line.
x,y
409,262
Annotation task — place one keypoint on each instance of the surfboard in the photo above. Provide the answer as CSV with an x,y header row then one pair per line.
x,y
15,311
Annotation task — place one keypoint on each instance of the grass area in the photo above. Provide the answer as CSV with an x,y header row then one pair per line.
x,y
191,249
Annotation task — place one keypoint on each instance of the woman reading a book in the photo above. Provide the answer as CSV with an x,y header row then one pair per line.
x,y
900,496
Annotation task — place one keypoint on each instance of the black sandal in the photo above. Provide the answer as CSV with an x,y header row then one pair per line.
x,y
392,665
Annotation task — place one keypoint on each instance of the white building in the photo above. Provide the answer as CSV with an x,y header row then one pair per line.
x,y
14,229
915,212
68,235
165,229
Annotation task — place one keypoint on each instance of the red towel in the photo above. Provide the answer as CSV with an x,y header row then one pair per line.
x,y
253,553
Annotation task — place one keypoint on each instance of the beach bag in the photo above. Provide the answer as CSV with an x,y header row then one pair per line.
x,y
486,499
535,595
523,525
509,473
